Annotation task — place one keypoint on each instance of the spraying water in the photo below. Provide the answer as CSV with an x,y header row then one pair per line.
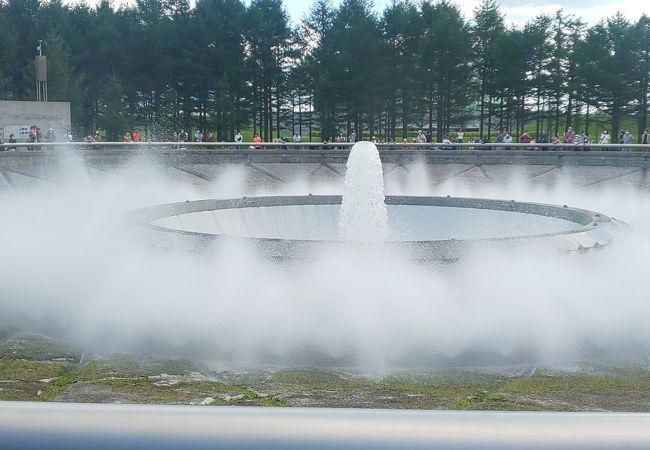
x,y
67,264
363,215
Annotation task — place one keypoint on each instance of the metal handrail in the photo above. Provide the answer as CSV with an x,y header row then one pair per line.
x,y
239,146
34,425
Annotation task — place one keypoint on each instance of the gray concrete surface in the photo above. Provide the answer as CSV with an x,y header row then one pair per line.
x,y
275,168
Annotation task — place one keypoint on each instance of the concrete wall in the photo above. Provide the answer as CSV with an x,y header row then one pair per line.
x,y
276,169
17,117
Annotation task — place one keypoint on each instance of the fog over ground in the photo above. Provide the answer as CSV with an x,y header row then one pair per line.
x,y
67,259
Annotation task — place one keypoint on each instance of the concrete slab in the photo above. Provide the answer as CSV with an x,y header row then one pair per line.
x,y
290,172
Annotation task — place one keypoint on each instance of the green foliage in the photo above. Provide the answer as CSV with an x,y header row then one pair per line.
x,y
226,65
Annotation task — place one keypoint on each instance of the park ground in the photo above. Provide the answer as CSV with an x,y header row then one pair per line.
x,y
35,367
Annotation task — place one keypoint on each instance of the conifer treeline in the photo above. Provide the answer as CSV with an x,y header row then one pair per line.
x,y
222,65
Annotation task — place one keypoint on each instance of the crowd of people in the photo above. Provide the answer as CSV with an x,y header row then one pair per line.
x,y
569,141
35,136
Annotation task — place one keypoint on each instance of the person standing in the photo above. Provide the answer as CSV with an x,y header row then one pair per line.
x,y
238,139
447,144
68,136
31,137
183,136
604,138
507,139
12,140
627,139
460,136
136,135
50,137
257,140
352,137
543,137
644,138
525,139
569,136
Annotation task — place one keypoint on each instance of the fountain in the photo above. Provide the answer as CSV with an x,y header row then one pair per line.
x,y
363,215
426,228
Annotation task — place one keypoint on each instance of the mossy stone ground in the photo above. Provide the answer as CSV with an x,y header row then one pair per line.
x,y
38,368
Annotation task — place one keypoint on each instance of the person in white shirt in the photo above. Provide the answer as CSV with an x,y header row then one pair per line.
x,y
627,139
507,139
460,136
297,137
604,138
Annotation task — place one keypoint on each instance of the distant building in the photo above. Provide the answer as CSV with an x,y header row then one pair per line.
x,y
17,117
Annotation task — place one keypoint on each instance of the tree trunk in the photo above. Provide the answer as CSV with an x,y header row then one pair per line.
x,y
642,119
431,114
616,122
501,112
481,117
311,114
404,116
489,130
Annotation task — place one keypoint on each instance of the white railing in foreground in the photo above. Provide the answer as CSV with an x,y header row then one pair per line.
x,y
40,425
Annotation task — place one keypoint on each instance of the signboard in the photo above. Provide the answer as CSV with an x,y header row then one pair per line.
x,y
41,69
20,131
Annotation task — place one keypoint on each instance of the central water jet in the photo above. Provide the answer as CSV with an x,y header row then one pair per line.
x,y
363,215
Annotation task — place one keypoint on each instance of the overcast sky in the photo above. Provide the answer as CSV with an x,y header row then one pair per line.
x,y
519,11
516,11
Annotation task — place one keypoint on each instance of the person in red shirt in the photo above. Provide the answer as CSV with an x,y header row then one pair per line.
x,y
136,135
257,139
525,139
